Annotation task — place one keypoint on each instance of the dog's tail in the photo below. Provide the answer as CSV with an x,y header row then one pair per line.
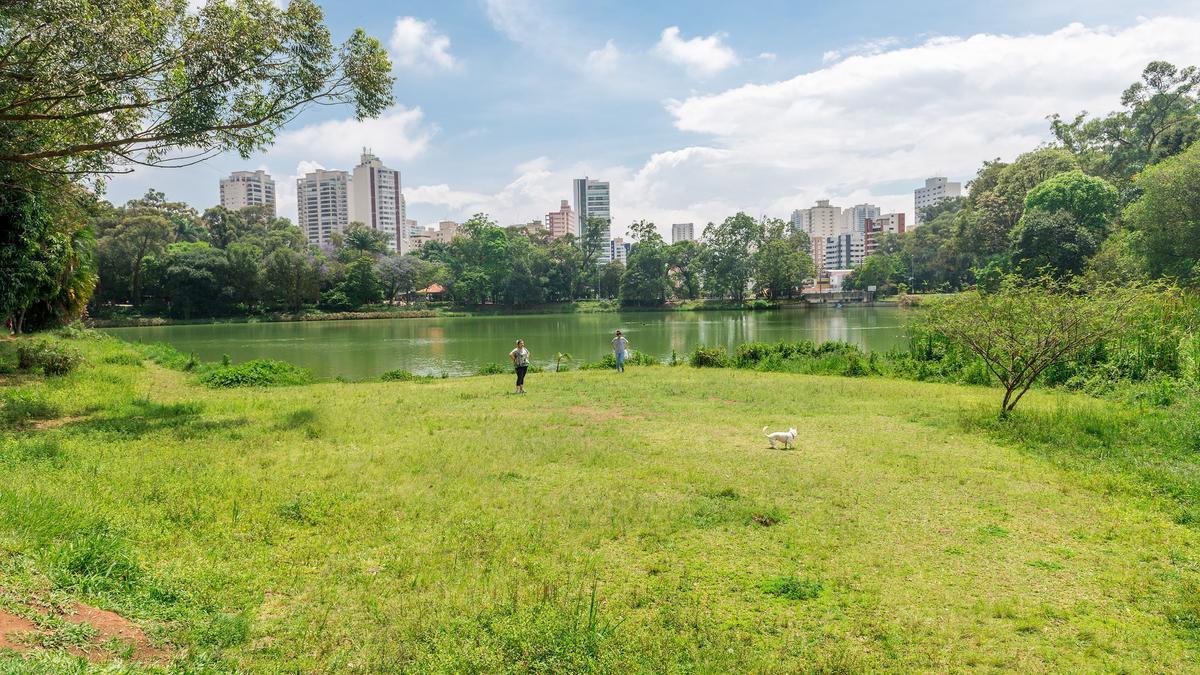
x,y
765,431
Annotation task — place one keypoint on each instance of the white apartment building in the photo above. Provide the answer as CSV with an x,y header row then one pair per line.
x,y
889,223
820,222
248,188
592,201
618,250
562,222
323,204
446,231
858,215
683,232
845,251
936,189
376,200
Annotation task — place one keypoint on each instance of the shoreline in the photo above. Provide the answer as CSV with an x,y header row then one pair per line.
x,y
586,307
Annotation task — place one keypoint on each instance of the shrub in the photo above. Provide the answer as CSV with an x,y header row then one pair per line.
x,y
492,369
708,357
257,373
607,363
856,366
123,359
77,331
52,358
401,375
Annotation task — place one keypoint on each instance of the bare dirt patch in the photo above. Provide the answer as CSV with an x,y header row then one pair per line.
x,y
110,625
12,628
42,425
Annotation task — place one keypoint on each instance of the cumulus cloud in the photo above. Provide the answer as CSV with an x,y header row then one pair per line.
x,y
603,60
868,48
400,134
416,44
701,56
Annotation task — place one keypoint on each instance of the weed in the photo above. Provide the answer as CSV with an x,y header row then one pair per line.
x,y
257,373
792,587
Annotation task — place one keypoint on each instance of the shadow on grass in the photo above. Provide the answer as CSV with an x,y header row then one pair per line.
x,y
141,417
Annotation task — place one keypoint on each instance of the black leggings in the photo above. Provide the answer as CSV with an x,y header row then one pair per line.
x,y
521,375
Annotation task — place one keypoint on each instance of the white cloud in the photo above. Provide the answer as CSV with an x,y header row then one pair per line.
x,y
604,60
416,44
285,189
398,135
769,57
522,21
867,48
701,56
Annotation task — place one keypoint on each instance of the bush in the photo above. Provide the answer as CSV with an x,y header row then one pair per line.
x,y
708,357
52,358
492,369
609,361
123,359
77,331
401,375
257,373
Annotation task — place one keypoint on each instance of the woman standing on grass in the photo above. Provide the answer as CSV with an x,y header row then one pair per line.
x,y
520,359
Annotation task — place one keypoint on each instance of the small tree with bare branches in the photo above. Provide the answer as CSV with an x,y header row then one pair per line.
x,y
1025,326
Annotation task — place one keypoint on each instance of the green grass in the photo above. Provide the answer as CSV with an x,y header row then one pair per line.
x,y
634,522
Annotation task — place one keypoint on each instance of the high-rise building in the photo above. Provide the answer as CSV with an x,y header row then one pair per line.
x,y
592,201
323,204
820,222
446,231
618,250
936,189
890,223
248,188
682,232
857,216
844,251
376,199
561,222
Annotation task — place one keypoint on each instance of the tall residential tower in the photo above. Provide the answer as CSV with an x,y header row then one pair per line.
x,y
376,200
592,201
323,204
248,188
936,189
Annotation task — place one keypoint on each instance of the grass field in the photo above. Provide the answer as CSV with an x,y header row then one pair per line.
x,y
601,522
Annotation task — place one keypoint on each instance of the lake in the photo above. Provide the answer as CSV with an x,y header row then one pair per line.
x,y
459,346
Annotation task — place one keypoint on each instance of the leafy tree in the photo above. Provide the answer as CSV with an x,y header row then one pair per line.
x,y
244,273
122,252
685,266
1119,259
359,240
878,270
292,278
563,276
1052,243
530,266
1091,201
224,226
779,266
610,279
361,285
192,278
645,282
1025,326
1167,217
1160,118
90,85
591,245
997,207
398,275
728,266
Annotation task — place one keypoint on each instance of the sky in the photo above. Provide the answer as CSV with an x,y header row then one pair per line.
x,y
696,110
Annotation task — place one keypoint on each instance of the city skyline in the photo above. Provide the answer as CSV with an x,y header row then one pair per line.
x,y
692,116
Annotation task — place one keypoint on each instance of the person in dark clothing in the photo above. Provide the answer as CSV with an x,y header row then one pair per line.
x,y
520,359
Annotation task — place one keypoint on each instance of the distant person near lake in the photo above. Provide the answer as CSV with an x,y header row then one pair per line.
x,y
520,359
620,350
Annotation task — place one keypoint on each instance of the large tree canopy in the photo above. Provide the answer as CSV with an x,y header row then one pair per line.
x,y
86,86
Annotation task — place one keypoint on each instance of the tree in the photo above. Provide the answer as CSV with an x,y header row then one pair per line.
x,y
779,266
359,240
1091,201
610,279
1025,326
224,226
728,267
685,266
645,282
1053,243
878,270
292,278
123,250
946,205
591,244
1167,217
244,273
1160,119
93,85
398,275
361,284
998,200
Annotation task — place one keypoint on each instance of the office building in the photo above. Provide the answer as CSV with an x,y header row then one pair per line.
x,y
592,202
682,232
561,222
323,204
248,188
376,200
446,231
936,190
844,251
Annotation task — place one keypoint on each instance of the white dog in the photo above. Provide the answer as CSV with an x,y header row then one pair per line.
x,y
788,438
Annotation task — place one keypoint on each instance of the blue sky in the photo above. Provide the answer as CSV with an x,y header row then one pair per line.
x,y
695,110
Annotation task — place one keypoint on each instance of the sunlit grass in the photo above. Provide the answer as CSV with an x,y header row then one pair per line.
x,y
633,522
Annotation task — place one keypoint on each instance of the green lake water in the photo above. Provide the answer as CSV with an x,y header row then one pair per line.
x,y
459,346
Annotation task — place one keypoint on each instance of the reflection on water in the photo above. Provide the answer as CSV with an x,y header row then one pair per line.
x,y
360,349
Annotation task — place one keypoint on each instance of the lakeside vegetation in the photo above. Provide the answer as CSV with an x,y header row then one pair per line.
x,y
910,530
